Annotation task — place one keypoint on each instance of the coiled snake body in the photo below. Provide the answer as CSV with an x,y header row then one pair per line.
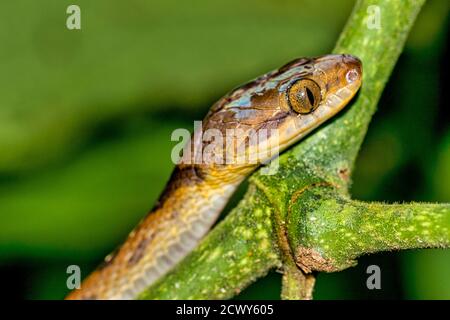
x,y
292,100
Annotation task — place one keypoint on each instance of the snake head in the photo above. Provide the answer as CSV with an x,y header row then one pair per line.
x,y
280,107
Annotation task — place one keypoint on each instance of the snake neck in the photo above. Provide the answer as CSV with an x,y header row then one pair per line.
x,y
186,210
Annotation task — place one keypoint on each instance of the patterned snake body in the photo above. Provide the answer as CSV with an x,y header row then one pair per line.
x,y
292,100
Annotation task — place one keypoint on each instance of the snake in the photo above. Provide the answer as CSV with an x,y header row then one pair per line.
x,y
288,103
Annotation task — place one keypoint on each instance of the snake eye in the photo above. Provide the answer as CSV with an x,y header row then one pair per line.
x,y
304,96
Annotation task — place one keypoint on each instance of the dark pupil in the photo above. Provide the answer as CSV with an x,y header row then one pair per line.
x,y
306,96
310,96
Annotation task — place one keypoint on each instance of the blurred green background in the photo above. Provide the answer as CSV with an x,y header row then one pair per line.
x,y
86,117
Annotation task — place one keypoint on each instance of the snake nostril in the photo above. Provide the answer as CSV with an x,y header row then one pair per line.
x,y
352,75
354,67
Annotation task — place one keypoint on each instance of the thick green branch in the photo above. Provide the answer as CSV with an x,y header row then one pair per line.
x,y
269,226
328,235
